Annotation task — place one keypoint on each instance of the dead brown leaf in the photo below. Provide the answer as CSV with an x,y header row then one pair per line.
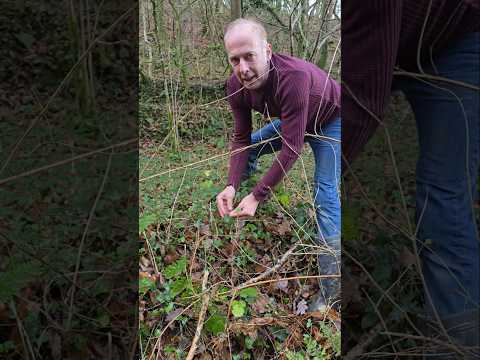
x,y
331,314
144,262
263,264
173,314
205,230
284,228
197,276
170,257
261,304
406,257
282,285
205,356
281,229
295,339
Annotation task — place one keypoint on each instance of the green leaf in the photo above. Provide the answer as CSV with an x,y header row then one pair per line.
x,y
175,269
144,221
207,184
284,199
238,308
249,342
15,279
250,292
222,294
228,220
169,349
27,40
7,346
145,285
350,229
216,324
103,319
178,286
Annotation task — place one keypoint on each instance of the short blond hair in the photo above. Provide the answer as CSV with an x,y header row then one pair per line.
x,y
256,26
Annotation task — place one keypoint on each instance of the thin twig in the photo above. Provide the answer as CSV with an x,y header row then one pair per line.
x,y
84,236
66,161
364,342
273,269
21,331
242,286
201,317
382,320
437,78
158,342
425,338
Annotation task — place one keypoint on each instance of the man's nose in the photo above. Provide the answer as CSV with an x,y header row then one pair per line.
x,y
243,66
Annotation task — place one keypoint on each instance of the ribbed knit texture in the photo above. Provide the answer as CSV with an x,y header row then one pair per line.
x,y
298,93
378,35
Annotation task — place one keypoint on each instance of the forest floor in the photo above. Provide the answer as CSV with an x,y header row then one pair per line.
x,y
247,310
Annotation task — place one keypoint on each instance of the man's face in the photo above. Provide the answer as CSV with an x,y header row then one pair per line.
x,y
249,56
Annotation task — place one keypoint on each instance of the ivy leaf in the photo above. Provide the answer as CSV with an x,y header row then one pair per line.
x,y
216,324
144,221
238,308
176,268
248,293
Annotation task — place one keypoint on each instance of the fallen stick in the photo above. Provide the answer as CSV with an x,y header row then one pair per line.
x,y
243,286
271,270
364,342
201,317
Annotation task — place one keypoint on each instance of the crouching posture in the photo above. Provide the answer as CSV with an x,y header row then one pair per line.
x,y
303,105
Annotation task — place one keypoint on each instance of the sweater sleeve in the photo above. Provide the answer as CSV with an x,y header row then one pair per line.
x,y
293,97
241,137
370,38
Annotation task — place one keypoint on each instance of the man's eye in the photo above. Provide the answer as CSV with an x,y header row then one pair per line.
x,y
250,56
234,61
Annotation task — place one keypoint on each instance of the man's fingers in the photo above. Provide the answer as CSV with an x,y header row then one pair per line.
x,y
239,212
235,213
229,204
224,208
221,206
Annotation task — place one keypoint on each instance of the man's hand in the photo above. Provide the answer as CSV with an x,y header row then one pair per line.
x,y
247,207
225,200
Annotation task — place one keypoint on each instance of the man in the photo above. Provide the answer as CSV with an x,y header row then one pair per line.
x,y
433,39
305,101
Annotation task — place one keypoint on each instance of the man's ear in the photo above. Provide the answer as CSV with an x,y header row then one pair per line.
x,y
269,51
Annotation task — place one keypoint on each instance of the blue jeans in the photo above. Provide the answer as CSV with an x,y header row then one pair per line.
x,y
326,187
447,118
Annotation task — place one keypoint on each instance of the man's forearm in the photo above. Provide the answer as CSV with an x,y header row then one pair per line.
x,y
237,164
274,175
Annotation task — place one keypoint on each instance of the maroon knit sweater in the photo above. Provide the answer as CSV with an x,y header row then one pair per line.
x,y
379,35
298,93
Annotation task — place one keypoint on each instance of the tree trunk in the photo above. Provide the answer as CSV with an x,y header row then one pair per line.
x,y
236,10
157,7
80,32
